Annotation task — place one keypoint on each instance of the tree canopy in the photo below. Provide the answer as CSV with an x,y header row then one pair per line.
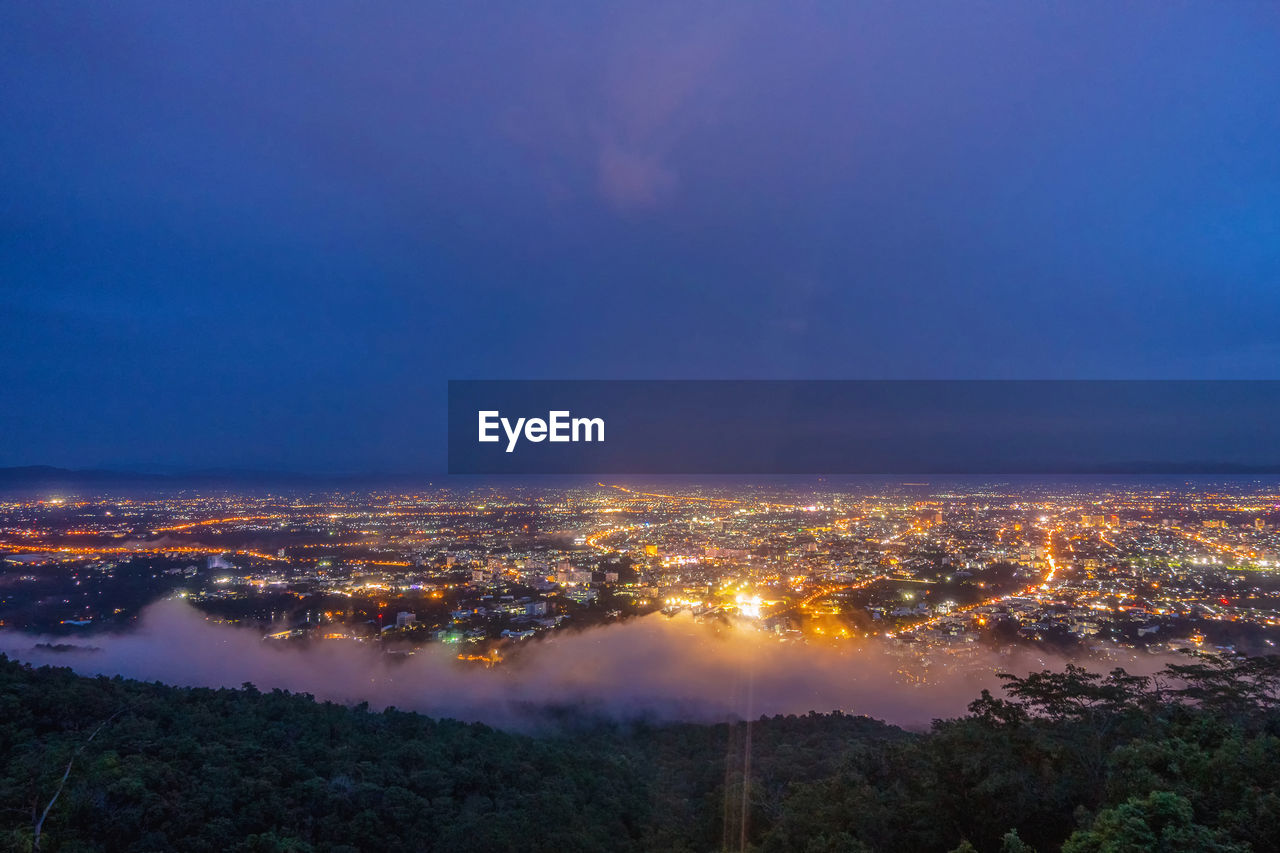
x,y
1066,760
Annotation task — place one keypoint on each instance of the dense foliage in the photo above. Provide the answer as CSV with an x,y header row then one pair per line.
x,y
1071,760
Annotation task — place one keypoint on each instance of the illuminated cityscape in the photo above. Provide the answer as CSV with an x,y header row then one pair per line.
x,y
765,427
938,573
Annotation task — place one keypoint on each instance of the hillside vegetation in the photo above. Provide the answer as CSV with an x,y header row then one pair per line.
x,y
1072,760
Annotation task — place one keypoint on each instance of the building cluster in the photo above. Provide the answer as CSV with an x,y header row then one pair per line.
x,y
948,568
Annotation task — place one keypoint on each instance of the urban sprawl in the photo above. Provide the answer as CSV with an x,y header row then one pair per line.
x,y
939,572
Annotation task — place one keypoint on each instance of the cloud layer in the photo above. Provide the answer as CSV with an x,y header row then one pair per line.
x,y
656,667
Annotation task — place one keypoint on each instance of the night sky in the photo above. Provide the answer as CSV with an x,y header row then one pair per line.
x,y
266,234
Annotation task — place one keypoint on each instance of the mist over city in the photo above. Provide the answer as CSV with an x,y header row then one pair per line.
x,y
899,601
652,669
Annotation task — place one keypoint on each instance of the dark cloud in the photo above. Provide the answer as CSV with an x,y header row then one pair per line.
x,y
265,235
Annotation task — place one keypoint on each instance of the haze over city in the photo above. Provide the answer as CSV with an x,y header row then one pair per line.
x,y
869,596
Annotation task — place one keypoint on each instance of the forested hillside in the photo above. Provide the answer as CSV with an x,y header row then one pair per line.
x,y
1076,761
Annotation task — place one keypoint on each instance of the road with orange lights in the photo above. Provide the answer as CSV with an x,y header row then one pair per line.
x,y
1044,585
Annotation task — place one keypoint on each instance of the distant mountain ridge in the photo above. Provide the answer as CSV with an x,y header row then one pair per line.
x,y
37,476
51,477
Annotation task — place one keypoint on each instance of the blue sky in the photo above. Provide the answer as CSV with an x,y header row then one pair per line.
x,y
265,235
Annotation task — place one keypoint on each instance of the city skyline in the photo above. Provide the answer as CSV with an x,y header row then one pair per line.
x,y
780,555
829,427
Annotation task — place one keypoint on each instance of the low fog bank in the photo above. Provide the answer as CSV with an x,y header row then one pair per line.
x,y
654,667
